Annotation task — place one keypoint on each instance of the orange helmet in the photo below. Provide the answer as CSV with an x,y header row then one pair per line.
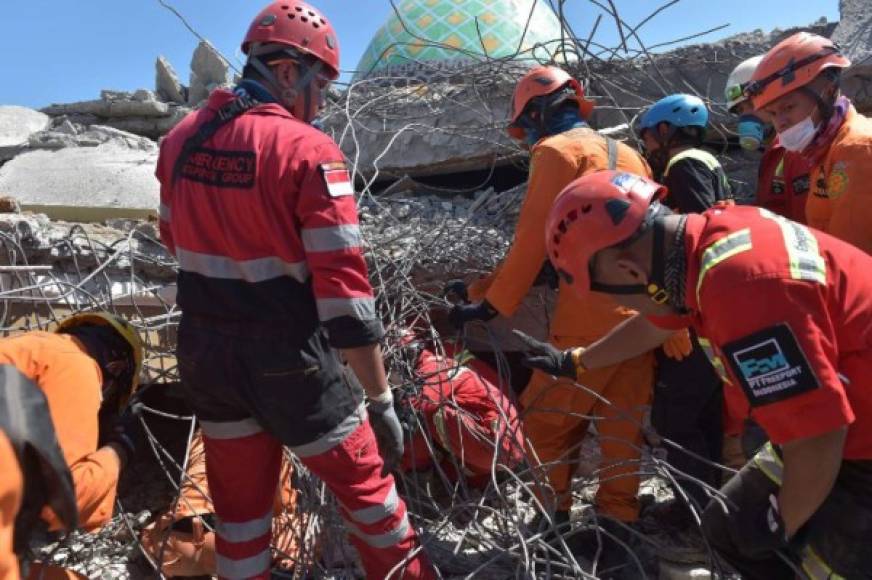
x,y
541,81
297,25
792,64
597,211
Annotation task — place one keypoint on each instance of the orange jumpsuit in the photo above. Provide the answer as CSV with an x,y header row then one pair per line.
x,y
11,493
840,203
72,383
557,412
192,553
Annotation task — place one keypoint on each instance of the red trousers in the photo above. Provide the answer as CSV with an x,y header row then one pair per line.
x,y
242,464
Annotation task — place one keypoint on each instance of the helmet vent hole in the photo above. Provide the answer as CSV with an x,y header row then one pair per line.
x,y
324,22
298,8
291,16
586,208
285,7
311,14
676,109
315,25
694,110
303,19
562,226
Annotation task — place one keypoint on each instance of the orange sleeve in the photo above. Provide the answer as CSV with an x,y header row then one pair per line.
x,y
95,478
11,491
550,171
848,186
479,289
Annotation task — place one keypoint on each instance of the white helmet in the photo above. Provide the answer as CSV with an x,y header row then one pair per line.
x,y
734,93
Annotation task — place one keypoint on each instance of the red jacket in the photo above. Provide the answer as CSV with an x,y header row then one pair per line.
x,y
783,183
467,417
787,311
264,224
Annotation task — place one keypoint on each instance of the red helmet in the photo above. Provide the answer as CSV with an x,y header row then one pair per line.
x,y
791,64
541,81
595,212
298,25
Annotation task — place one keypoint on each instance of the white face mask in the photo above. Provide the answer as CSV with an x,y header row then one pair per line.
x,y
798,137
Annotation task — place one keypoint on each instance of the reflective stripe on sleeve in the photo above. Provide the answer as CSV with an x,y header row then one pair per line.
x,y
332,238
723,249
360,308
769,463
803,253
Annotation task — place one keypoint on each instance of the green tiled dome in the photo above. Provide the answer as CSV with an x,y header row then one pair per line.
x,y
444,32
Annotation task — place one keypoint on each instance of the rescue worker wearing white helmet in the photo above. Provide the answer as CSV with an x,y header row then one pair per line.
x,y
782,177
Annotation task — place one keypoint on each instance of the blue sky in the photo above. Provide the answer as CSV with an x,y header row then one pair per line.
x,y
61,52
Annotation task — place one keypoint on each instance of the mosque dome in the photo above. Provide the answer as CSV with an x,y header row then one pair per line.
x,y
427,36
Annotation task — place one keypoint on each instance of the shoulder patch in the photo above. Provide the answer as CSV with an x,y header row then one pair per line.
x,y
337,179
770,365
837,181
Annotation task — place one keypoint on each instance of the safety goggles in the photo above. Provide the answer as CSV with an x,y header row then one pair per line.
x,y
735,92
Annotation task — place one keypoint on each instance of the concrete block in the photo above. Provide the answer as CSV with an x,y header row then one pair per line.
x,y
84,183
167,84
207,68
17,124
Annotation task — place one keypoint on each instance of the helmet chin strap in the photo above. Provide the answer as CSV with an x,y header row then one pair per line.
x,y
308,72
655,288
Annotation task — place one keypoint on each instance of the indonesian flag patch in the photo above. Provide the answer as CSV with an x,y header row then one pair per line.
x,y
337,179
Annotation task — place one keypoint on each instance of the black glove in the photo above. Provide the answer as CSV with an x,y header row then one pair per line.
x,y
388,432
759,534
125,431
543,356
463,313
456,291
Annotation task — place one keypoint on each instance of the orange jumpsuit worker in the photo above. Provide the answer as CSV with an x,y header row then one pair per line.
x,y
186,544
549,113
88,366
797,86
30,460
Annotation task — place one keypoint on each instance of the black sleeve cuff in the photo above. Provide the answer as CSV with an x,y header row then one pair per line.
x,y
350,332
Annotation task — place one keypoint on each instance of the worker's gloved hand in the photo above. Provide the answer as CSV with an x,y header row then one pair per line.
x,y
463,313
544,357
456,291
678,346
124,432
761,533
388,430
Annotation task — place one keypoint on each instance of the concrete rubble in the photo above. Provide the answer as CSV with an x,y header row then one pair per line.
x,y
17,124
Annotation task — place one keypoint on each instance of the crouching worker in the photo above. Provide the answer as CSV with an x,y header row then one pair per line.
x,y
452,409
34,476
183,538
787,312
87,370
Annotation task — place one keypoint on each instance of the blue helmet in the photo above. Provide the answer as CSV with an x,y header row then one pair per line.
x,y
677,110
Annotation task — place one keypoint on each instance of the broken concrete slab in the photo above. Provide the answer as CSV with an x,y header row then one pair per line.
x,y
208,71
65,133
167,84
19,123
116,104
84,184
854,31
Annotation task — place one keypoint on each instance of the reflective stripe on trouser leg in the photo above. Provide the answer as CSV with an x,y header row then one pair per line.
x,y
369,503
243,474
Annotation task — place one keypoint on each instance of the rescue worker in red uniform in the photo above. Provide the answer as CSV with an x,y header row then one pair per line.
x,y
786,313
258,207
549,115
456,410
796,85
87,370
33,475
782,179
